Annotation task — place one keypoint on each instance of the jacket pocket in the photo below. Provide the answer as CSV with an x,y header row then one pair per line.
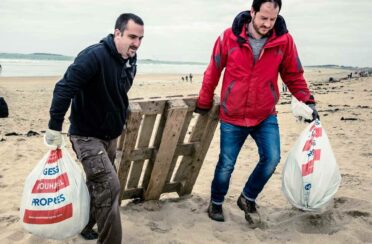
x,y
233,99
226,97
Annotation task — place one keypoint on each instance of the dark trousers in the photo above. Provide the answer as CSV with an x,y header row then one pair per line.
x,y
97,157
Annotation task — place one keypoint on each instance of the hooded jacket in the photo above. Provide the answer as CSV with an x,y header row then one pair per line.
x,y
249,90
97,84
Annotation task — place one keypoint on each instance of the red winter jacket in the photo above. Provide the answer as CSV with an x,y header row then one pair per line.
x,y
250,91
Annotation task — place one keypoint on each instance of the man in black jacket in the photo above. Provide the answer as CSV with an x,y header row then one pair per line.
x,y
97,84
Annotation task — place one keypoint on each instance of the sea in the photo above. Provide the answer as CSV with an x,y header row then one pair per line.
x,y
26,67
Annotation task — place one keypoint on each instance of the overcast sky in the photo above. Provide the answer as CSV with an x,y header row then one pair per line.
x,y
325,32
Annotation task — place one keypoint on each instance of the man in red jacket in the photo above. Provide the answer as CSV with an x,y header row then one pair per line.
x,y
253,52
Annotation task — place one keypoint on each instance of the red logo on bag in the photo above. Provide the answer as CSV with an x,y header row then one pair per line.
x,y
317,132
48,216
308,167
51,185
54,156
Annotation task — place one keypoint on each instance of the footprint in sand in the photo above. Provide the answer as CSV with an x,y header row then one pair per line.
x,y
335,218
350,180
8,220
357,213
328,222
16,237
159,227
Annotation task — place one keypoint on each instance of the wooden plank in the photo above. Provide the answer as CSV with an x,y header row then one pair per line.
x,y
180,141
143,142
196,136
172,187
146,153
191,103
135,99
133,124
121,139
191,172
148,108
133,193
141,154
175,118
153,107
184,166
156,144
138,192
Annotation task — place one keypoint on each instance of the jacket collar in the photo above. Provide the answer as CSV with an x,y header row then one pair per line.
x,y
240,21
109,43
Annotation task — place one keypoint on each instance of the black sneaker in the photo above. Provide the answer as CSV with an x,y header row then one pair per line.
x,y
249,207
215,212
89,234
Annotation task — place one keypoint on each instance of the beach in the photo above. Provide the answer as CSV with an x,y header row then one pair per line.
x,y
345,109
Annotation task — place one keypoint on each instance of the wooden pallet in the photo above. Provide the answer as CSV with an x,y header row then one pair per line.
x,y
163,146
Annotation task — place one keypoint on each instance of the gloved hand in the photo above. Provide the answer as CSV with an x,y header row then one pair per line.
x,y
201,111
53,138
314,114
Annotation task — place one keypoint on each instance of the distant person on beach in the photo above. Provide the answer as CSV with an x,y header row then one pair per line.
x,y
253,52
190,75
187,78
182,78
1,68
97,83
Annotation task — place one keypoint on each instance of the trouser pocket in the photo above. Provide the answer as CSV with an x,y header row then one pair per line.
x,y
101,193
94,167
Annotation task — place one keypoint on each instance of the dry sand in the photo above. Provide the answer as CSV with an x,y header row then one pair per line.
x,y
347,219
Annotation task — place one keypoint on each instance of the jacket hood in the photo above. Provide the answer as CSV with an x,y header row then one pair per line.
x,y
244,17
109,43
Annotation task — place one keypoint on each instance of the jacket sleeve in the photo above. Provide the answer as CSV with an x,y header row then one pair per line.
x,y
291,72
212,74
78,74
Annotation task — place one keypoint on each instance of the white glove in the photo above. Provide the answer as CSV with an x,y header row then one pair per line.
x,y
53,138
300,110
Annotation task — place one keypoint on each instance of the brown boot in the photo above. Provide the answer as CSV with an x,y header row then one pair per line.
x,y
215,212
249,207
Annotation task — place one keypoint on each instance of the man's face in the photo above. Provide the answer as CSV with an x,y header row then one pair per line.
x,y
264,20
129,41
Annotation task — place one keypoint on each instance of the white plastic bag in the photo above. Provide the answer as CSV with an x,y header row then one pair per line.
x,y
55,201
310,175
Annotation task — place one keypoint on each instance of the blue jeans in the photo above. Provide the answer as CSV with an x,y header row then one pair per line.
x,y
266,136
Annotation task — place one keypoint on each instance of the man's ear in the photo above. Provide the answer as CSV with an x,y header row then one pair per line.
x,y
252,12
117,32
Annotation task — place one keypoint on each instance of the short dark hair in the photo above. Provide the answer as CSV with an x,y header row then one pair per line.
x,y
256,5
122,21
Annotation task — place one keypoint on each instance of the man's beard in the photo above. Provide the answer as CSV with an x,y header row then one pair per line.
x,y
257,29
132,51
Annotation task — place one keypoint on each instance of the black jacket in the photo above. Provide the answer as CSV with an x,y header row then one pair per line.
x,y
97,82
